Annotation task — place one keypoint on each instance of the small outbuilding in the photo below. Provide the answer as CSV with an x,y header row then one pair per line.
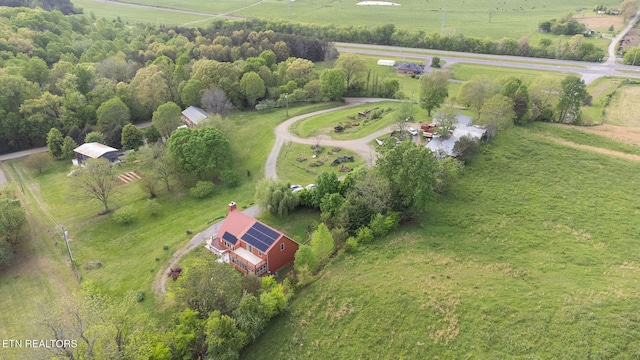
x,y
95,150
193,115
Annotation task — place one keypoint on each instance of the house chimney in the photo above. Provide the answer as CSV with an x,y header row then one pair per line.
x,y
232,206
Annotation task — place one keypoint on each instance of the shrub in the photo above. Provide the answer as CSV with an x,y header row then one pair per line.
x,y
230,178
140,296
364,235
377,225
165,248
351,245
152,207
125,215
202,189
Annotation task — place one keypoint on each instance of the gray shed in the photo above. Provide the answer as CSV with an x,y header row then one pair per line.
x,y
95,150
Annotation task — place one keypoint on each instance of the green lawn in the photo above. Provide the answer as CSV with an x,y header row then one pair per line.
x,y
301,172
584,138
532,255
467,72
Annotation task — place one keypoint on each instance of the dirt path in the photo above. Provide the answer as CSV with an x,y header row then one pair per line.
x,y
595,149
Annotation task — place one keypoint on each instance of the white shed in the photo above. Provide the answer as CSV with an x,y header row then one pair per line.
x,y
386,62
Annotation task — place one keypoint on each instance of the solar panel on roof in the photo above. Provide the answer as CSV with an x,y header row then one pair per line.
x,y
272,235
255,242
229,237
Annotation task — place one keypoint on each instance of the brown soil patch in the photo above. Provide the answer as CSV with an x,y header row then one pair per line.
x,y
596,149
627,135
631,39
603,22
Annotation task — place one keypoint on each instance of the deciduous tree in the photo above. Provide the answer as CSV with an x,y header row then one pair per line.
x,y
252,86
215,101
433,89
38,162
497,114
55,140
574,90
96,181
67,148
203,151
12,219
208,286
132,137
355,71
333,83
167,118
275,197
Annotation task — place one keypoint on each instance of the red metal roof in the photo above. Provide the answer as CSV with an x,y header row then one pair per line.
x,y
236,223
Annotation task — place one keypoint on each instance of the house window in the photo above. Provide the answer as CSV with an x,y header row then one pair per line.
x,y
259,253
282,247
249,248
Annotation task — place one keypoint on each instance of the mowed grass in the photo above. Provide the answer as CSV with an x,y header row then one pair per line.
x,y
531,255
466,72
575,135
132,254
301,173
325,123
624,107
484,18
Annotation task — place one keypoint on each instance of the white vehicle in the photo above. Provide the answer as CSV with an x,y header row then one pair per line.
x,y
310,186
297,190
296,187
413,131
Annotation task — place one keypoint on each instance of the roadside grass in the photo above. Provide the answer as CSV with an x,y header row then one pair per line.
x,y
291,170
466,72
132,254
624,108
531,255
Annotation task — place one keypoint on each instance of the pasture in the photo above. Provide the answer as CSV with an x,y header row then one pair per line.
x,y
485,18
531,255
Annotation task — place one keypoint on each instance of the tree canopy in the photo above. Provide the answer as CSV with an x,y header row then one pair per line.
x,y
203,151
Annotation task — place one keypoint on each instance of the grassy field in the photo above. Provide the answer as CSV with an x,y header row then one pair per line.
x,y
532,255
301,172
624,107
486,18
467,72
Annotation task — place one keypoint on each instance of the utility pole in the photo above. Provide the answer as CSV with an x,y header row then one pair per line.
x,y
65,234
286,97
444,15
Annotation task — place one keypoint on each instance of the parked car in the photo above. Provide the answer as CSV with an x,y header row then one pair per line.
x,y
296,188
413,131
310,186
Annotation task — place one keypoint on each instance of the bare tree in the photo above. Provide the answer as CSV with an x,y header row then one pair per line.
x,y
96,181
38,161
215,101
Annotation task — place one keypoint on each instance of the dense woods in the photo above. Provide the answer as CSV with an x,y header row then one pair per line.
x,y
83,75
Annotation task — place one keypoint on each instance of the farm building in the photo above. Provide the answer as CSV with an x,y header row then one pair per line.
x,y
410,69
251,246
192,116
94,150
443,147
382,62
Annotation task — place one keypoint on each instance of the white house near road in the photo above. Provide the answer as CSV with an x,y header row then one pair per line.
x,y
444,147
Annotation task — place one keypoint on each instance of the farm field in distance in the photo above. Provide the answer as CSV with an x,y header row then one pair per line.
x,y
485,18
